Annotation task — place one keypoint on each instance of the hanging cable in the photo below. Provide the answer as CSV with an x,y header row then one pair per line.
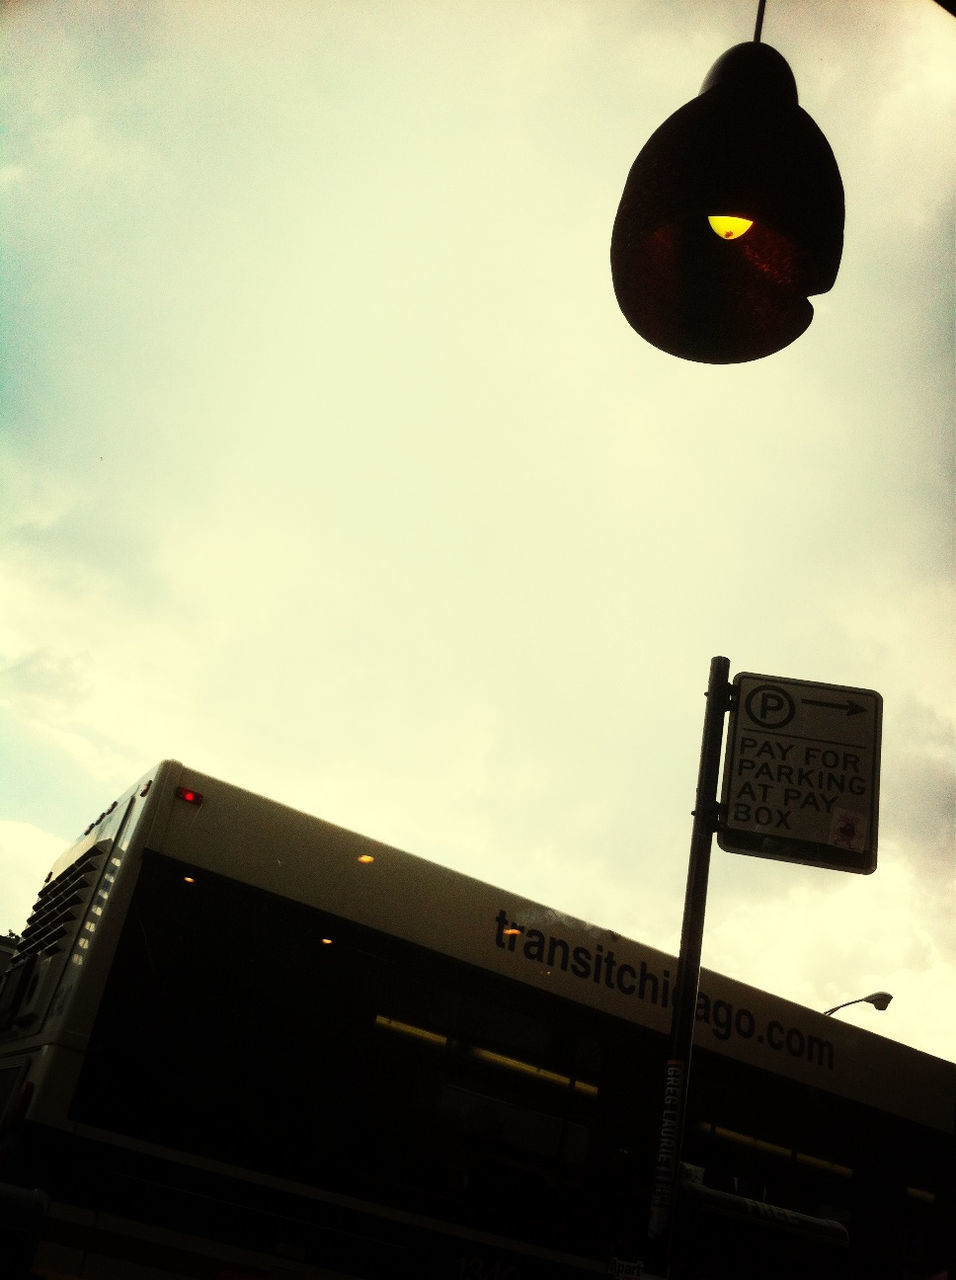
x,y
759,27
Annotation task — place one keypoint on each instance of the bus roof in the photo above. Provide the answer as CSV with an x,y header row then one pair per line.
x,y
260,842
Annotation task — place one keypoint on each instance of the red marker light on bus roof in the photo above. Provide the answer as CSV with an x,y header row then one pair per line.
x,y
187,794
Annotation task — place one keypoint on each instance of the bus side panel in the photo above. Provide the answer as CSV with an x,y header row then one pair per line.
x,y
51,990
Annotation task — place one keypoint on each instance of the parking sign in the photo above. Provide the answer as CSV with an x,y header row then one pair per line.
x,y
801,773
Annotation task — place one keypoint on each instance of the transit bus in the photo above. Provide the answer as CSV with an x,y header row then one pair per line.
x,y
239,1042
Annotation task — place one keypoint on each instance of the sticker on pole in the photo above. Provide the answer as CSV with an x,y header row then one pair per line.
x,y
802,773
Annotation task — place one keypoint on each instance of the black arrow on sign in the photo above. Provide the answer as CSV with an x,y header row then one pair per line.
x,y
851,708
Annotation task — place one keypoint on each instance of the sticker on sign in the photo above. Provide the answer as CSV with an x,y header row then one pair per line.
x,y
802,773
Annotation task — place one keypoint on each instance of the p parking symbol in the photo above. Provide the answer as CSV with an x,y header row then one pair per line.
x,y
770,706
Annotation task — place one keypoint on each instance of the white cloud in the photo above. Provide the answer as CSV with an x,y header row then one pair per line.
x,y
843,938
335,470
26,855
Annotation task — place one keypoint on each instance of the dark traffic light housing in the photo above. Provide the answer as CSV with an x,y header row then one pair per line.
x,y
731,217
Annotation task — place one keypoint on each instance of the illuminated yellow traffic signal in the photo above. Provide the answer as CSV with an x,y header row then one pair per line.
x,y
729,228
731,218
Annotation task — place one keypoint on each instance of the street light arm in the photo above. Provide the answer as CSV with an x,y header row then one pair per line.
x,y
878,999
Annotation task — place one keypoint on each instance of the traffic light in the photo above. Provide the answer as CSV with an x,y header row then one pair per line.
x,y
731,217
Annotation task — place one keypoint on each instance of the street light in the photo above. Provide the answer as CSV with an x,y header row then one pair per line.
x,y
879,1000
732,214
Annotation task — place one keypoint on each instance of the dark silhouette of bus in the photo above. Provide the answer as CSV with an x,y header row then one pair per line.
x,y
240,1042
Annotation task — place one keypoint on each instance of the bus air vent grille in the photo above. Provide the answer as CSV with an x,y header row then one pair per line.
x,y
58,908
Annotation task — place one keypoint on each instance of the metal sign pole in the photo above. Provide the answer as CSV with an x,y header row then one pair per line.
x,y
677,1072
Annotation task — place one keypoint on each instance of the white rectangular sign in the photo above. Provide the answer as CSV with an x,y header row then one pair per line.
x,y
802,772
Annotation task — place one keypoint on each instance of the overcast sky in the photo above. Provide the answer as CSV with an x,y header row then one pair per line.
x,y
331,467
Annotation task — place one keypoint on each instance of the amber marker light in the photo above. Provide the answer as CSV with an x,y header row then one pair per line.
x,y
365,858
729,228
